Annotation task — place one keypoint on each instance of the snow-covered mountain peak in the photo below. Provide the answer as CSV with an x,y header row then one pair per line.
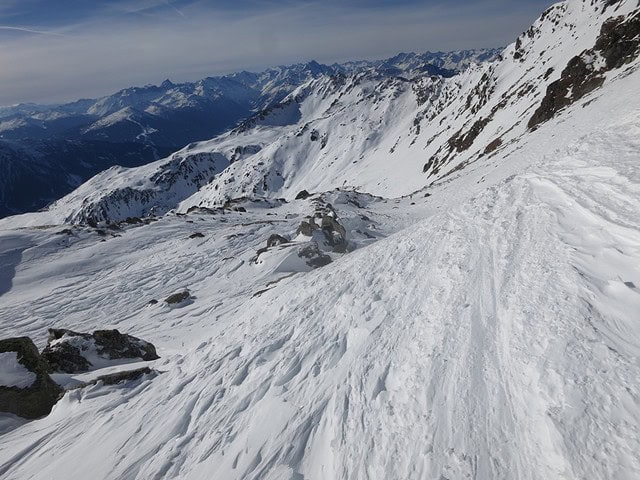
x,y
393,135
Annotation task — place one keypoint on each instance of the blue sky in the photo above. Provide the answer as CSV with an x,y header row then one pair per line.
x,y
57,50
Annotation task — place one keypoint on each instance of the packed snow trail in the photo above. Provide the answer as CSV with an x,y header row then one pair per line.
x,y
496,339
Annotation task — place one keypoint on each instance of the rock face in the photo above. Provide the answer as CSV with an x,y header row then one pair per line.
x,y
37,399
617,45
71,352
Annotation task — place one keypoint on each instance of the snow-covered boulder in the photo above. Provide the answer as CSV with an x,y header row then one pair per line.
x,y
26,389
71,352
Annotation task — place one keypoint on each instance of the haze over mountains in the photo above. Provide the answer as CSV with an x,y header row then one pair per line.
x,y
426,267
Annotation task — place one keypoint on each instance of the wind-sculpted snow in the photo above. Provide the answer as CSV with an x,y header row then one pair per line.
x,y
485,331
480,325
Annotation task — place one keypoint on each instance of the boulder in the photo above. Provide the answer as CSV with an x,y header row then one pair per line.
x,y
64,350
26,389
275,240
306,229
178,297
335,234
302,195
72,352
116,345
313,256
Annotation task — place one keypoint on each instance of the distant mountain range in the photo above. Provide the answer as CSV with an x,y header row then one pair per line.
x,y
48,150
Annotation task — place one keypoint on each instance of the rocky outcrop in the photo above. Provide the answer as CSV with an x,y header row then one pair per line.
x,y
325,219
334,233
72,352
302,195
36,399
275,240
313,256
617,45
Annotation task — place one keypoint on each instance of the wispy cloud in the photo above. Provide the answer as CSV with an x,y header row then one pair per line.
x,y
187,40
30,30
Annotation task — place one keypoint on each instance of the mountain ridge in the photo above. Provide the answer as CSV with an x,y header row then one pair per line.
x,y
164,118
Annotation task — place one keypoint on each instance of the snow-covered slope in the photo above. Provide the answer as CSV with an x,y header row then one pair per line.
x,y
486,331
493,337
161,119
394,136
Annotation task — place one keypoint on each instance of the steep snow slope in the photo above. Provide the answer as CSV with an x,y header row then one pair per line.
x,y
494,336
394,136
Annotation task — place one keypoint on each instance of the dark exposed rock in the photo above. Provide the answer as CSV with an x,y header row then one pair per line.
x,y
115,345
259,252
306,229
153,301
178,297
335,234
38,399
461,141
196,235
65,357
493,145
430,164
302,195
58,333
313,256
275,240
132,220
66,350
618,43
577,79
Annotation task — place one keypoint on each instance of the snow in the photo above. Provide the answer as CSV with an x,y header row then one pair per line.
x,y
486,331
492,336
13,373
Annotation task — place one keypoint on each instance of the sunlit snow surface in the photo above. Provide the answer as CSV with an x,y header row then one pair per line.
x,y
487,331
495,335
